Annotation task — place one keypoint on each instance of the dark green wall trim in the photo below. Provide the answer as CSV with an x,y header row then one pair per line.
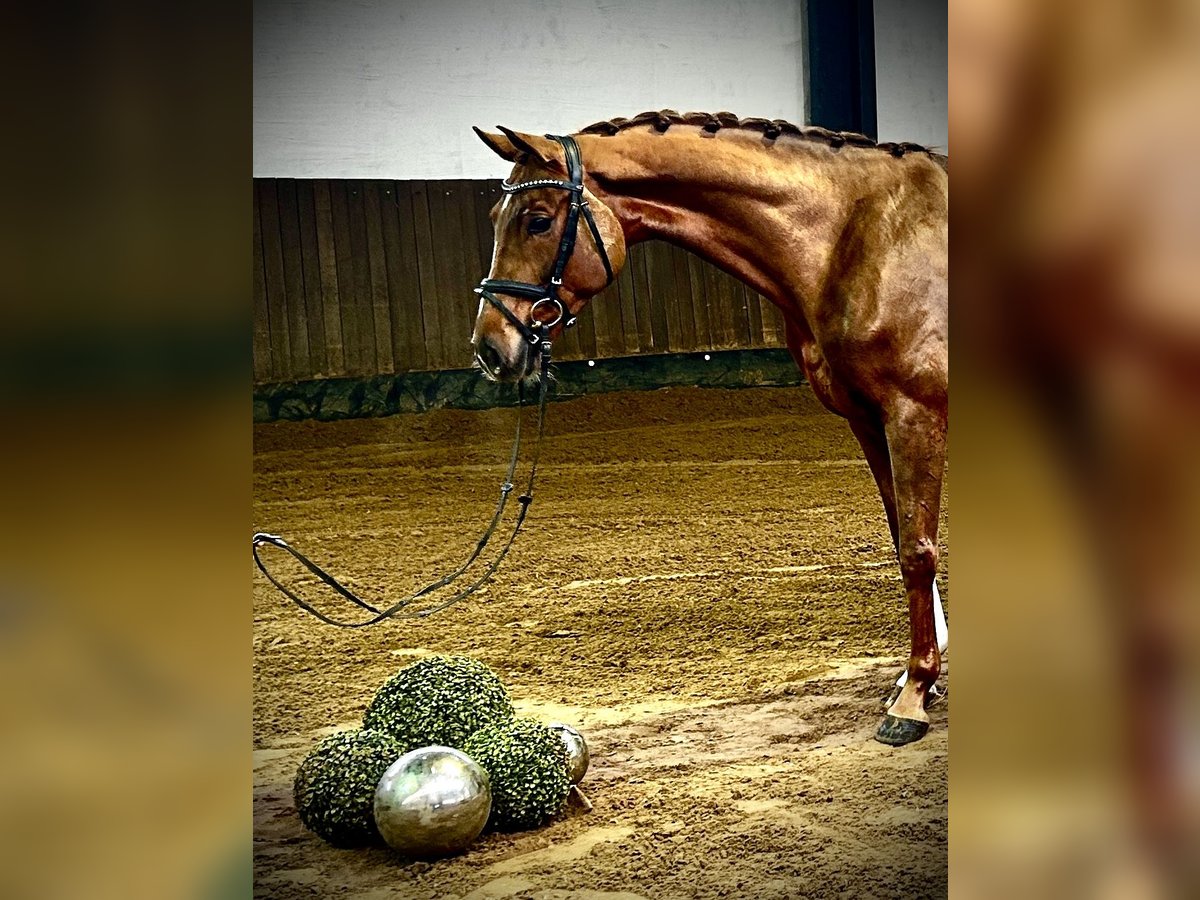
x,y
386,395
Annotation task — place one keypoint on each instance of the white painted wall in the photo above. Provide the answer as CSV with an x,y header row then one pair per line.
x,y
910,71
391,88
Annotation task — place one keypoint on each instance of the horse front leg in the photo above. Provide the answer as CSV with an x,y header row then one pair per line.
x,y
871,438
916,439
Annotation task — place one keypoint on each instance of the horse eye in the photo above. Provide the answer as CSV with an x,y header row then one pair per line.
x,y
538,225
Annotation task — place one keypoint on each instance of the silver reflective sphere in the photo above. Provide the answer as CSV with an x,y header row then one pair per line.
x,y
432,802
577,751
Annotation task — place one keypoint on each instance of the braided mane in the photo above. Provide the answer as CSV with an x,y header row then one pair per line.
x,y
771,129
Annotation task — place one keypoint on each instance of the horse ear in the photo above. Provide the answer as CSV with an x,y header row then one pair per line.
x,y
501,146
549,153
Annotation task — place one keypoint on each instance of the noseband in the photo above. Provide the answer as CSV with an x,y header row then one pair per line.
x,y
547,294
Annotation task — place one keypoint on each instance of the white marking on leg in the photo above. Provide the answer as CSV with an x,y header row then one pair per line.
x,y
939,627
939,621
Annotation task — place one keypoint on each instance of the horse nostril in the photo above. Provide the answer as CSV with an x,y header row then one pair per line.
x,y
488,356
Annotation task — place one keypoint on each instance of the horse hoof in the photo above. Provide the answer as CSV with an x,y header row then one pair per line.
x,y
896,732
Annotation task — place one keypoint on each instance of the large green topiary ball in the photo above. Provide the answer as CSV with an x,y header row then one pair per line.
x,y
438,700
335,786
526,764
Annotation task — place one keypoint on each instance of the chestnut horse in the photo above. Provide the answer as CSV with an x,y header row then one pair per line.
x,y
849,240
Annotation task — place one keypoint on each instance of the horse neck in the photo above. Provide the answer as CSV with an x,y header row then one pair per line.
x,y
768,216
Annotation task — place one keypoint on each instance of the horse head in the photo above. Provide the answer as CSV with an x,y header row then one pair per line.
x,y
530,223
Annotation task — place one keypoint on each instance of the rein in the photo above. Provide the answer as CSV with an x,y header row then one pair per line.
x,y
537,333
398,609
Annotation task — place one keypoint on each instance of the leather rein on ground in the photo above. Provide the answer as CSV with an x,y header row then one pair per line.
x,y
536,331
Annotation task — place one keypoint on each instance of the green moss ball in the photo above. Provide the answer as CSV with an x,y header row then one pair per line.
x,y
335,786
526,764
438,700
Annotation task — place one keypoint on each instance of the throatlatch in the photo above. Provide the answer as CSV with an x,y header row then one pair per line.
x,y
536,331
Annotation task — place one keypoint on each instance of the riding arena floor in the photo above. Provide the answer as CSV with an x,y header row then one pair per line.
x,y
705,587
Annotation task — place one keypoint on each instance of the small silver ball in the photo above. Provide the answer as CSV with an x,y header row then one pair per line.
x,y
433,801
577,751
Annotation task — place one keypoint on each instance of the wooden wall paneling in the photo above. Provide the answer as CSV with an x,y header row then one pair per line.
x,y
281,357
624,295
450,265
463,194
403,277
431,313
314,316
331,311
352,338
293,278
686,301
641,299
758,313
739,314
381,312
262,316
754,310
586,329
699,293
739,311
586,326
569,345
656,299
717,324
664,297
605,310
484,199
720,307
363,309
733,308
462,198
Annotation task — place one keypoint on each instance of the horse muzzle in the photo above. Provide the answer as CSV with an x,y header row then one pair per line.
x,y
503,359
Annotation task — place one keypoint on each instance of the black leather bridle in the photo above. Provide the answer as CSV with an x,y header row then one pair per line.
x,y
547,294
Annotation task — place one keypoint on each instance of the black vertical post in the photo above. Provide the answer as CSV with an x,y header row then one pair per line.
x,y
840,65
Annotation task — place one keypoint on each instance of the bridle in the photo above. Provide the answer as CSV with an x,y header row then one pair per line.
x,y
536,330
537,333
